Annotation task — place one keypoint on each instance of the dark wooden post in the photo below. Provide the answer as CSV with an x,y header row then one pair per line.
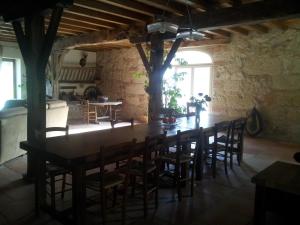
x,y
156,76
36,45
156,69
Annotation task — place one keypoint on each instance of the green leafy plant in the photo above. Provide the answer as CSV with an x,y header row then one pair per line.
x,y
138,75
172,93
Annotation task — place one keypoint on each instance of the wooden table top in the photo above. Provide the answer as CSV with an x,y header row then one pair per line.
x,y
105,103
79,147
281,176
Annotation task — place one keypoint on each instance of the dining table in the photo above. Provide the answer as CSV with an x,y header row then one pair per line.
x,y
107,106
76,152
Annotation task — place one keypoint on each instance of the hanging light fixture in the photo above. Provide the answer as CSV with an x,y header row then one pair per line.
x,y
162,26
189,33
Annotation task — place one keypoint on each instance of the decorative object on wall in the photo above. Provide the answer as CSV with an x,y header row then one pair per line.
x,y
82,61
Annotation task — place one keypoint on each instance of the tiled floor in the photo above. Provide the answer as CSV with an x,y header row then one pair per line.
x,y
226,200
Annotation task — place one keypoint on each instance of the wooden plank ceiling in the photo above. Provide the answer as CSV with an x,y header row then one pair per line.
x,y
87,16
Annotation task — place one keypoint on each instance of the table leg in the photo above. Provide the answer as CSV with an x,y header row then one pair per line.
x,y
78,196
40,183
260,205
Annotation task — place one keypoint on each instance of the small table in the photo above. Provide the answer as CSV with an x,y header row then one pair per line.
x,y
277,190
109,106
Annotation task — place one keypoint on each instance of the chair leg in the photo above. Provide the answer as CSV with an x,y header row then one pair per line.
x,y
178,183
225,162
213,163
145,195
192,178
157,186
103,208
133,183
114,196
124,202
52,192
231,157
63,186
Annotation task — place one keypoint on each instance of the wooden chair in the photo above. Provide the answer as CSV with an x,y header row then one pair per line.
x,y
146,168
183,158
104,181
53,171
117,110
89,112
237,140
218,151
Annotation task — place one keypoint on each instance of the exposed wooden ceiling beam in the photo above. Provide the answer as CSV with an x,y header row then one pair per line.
x,y
220,32
87,39
162,4
251,13
98,15
280,25
237,3
134,6
109,9
67,31
88,20
207,35
258,27
238,30
82,25
196,4
193,44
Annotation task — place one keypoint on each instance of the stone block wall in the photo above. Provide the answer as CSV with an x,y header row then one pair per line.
x,y
116,69
261,70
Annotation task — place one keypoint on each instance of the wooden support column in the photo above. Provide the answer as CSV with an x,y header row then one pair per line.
x,y
156,68
35,45
156,76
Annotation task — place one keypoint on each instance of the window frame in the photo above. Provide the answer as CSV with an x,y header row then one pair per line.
x,y
14,74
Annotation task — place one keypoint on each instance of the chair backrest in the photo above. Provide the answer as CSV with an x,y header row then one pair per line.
x,y
58,129
189,106
185,139
153,146
126,150
237,131
222,129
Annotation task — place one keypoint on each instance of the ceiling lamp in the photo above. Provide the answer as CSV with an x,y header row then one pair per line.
x,y
189,33
162,27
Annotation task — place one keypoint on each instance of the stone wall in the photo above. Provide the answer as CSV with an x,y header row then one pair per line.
x,y
261,70
258,69
117,70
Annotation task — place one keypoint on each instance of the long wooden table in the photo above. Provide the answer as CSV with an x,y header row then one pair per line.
x,y
75,151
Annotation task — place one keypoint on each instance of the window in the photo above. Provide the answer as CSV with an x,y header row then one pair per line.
x,y
8,82
195,66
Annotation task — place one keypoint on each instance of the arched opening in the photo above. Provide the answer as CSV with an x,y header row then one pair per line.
x,y
189,74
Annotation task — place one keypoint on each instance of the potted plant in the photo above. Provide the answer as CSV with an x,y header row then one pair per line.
x,y
199,101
